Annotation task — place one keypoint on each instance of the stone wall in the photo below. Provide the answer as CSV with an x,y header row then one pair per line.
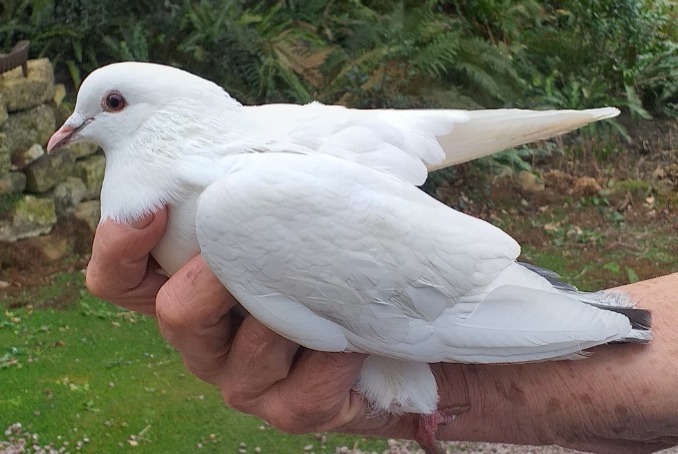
x,y
37,190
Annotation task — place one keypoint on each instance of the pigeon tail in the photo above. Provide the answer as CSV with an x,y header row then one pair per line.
x,y
614,301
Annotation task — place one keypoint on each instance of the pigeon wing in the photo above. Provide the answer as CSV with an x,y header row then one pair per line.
x,y
406,143
337,256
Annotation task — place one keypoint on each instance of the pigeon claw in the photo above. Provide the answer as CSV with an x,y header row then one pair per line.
x,y
428,426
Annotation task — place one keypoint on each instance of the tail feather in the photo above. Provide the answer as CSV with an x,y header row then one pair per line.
x,y
554,278
636,336
641,319
490,131
614,301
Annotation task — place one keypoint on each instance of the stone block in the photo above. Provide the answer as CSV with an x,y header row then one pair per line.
x,y
61,113
43,174
91,171
29,217
59,94
88,212
50,247
23,93
12,182
30,126
4,115
21,159
5,155
82,149
67,195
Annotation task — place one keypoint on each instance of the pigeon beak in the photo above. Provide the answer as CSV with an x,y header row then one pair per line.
x,y
68,132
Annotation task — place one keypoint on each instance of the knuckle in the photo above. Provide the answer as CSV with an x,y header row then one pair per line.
x,y
237,400
289,424
94,282
169,310
285,425
205,371
296,416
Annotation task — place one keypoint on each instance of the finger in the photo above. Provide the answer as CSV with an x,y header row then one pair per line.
x,y
193,315
119,269
258,359
317,395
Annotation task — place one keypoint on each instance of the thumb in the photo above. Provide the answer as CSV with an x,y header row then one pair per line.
x,y
118,269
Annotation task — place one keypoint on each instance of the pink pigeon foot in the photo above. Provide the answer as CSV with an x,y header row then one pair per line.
x,y
428,426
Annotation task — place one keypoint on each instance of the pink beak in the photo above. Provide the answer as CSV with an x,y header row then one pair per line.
x,y
61,137
68,132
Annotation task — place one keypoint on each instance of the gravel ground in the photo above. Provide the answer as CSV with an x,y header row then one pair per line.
x,y
400,447
20,441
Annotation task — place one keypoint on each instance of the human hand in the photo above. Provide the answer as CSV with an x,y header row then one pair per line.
x,y
621,400
258,371
121,269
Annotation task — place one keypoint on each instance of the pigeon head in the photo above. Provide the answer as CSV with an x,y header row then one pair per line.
x,y
116,101
157,126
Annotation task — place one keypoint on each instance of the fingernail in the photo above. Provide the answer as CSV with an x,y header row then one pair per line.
x,y
142,223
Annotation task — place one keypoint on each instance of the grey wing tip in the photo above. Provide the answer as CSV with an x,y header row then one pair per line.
x,y
637,336
615,301
554,278
641,319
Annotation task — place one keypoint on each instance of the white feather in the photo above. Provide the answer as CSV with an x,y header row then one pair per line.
x,y
489,131
357,260
396,386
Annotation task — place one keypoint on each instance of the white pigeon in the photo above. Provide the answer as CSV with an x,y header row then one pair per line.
x,y
311,217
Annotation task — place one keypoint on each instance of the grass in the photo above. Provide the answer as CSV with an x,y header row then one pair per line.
x,y
103,379
593,258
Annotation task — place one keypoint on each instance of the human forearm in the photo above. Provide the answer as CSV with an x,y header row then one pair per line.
x,y
624,398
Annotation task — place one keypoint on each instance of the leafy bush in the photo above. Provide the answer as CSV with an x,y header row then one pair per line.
x,y
624,49
453,53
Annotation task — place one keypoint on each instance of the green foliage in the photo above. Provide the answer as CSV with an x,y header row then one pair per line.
x,y
515,160
656,77
82,35
624,49
411,55
369,53
260,54
8,201
375,53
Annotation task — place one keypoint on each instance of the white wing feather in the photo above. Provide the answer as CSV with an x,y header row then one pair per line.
x,y
337,256
407,143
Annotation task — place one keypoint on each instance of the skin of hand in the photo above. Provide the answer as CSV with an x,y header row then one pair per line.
x,y
622,399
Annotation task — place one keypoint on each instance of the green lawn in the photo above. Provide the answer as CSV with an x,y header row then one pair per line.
x,y
105,378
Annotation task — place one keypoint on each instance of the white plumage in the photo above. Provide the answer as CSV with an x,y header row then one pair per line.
x,y
336,257
310,216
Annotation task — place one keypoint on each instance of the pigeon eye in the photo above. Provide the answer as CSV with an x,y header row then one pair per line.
x,y
114,102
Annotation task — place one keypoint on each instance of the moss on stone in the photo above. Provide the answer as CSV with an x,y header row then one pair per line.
x,y
35,210
8,201
22,93
30,126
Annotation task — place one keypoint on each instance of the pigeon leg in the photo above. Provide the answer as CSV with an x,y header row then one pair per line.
x,y
428,426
